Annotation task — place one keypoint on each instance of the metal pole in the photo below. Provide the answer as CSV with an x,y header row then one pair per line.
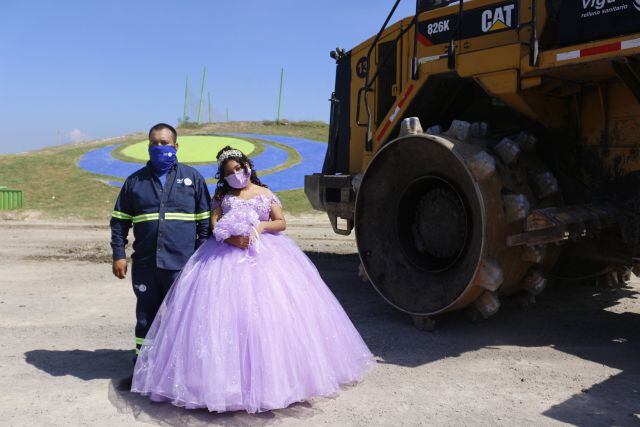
x,y
209,99
280,97
534,48
204,78
227,113
186,97
416,23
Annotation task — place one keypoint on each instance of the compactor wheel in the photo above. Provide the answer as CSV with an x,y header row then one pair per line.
x,y
433,213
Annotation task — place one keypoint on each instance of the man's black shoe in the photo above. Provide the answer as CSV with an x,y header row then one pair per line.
x,y
125,384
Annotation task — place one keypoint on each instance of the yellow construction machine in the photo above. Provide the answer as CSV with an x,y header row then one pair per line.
x,y
481,148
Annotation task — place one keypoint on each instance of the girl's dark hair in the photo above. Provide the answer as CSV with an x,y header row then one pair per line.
x,y
222,188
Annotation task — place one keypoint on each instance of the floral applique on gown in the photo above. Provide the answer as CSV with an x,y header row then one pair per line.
x,y
249,330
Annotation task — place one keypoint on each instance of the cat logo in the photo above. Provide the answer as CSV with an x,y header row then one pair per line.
x,y
499,18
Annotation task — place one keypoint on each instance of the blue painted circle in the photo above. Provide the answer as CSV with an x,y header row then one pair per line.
x,y
101,162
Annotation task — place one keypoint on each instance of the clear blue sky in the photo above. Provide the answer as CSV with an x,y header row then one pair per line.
x,y
94,69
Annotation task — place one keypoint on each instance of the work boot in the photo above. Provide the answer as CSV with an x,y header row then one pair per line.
x,y
125,383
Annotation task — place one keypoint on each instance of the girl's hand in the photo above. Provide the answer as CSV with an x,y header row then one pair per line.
x,y
261,227
241,242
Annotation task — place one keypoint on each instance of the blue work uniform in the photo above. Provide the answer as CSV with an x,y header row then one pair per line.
x,y
170,219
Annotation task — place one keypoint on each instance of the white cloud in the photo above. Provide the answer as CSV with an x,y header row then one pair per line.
x,y
76,135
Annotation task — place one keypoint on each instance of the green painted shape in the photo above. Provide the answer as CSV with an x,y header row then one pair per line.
x,y
193,149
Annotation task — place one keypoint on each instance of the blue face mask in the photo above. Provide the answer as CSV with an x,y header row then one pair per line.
x,y
162,157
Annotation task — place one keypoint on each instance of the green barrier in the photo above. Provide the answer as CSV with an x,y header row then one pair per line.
x,y
10,199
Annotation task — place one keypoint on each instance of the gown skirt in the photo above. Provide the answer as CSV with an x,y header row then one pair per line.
x,y
251,330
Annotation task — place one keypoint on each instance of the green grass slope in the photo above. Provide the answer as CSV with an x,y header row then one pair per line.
x,y
55,187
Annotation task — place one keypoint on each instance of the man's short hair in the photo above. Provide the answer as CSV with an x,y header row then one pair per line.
x,y
161,126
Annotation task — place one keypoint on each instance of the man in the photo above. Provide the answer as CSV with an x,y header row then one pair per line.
x,y
168,205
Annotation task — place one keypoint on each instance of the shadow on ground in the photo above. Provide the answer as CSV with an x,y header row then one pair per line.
x,y
115,365
83,364
572,319
143,410
569,318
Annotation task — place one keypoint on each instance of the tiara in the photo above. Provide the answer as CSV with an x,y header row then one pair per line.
x,y
229,153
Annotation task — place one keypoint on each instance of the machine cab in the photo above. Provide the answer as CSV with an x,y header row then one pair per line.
x,y
426,5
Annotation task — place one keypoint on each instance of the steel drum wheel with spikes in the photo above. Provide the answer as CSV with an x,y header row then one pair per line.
x,y
433,213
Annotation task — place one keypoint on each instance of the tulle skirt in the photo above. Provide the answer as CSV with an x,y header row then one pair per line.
x,y
250,330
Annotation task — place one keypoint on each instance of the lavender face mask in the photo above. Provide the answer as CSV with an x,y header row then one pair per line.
x,y
239,180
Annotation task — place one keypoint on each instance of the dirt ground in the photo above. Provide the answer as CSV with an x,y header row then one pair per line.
x,y
66,333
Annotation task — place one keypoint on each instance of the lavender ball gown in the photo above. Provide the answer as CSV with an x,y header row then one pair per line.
x,y
250,330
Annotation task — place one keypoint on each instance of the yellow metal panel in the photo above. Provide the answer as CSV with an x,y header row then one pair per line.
x,y
489,60
530,82
499,83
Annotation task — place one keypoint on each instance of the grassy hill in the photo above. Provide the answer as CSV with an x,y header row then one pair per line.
x,y
54,187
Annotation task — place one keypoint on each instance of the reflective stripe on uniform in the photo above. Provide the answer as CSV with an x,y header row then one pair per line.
x,y
169,216
178,216
203,215
139,343
146,217
121,215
